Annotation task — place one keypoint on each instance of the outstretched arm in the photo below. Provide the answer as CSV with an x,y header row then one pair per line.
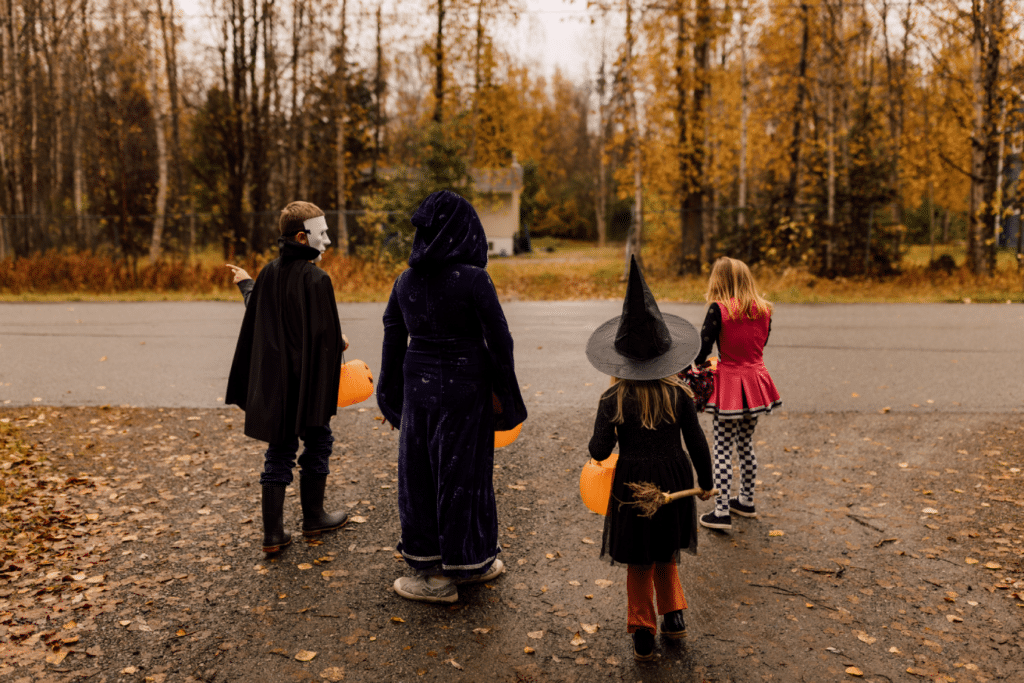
x,y
243,280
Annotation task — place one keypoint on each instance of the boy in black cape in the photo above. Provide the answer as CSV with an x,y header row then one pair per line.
x,y
285,371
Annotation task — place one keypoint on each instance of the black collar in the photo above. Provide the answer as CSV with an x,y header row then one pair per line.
x,y
291,250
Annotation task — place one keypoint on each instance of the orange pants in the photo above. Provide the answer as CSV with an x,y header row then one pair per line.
x,y
642,582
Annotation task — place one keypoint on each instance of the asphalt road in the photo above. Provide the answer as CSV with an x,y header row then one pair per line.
x,y
824,358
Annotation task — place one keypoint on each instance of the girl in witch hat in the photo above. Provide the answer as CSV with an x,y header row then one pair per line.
x,y
645,410
739,321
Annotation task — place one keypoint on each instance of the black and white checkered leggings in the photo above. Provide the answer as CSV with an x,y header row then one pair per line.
x,y
740,431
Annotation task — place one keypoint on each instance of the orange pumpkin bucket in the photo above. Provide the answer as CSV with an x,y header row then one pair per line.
x,y
596,483
507,436
355,384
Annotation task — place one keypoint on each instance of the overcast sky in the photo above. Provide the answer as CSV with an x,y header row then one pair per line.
x,y
552,33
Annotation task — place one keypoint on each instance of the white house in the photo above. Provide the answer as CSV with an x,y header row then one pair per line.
x,y
496,199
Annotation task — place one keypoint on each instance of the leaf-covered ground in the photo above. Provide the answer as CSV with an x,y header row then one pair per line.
x,y
890,548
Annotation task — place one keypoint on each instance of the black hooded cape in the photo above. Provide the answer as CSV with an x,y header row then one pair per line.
x,y
447,378
288,358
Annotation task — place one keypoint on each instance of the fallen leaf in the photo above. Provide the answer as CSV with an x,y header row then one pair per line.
x,y
305,565
454,663
528,650
305,656
930,511
181,632
953,619
358,520
603,583
333,674
56,658
854,671
481,630
971,560
128,669
588,541
536,635
590,628
577,640
397,620
865,638
776,532
993,565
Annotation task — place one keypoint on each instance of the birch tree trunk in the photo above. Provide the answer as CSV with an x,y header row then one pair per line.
x,y
157,107
997,194
633,237
169,34
340,161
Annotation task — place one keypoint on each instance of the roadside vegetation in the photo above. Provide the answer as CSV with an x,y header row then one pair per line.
x,y
557,269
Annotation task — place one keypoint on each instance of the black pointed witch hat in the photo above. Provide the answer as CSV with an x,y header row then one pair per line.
x,y
643,343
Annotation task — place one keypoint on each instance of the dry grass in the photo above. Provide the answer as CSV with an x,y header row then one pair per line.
x,y
570,270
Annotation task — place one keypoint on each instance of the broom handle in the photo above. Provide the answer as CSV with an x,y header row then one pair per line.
x,y
669,497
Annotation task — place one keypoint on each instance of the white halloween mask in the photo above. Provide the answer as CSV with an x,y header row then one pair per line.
x,y
316,232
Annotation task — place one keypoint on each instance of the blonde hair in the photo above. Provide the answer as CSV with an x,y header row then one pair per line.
x,y
654,397
731,279
294,215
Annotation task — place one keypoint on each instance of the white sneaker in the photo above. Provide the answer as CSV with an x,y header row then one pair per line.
x,y
497,569
427,589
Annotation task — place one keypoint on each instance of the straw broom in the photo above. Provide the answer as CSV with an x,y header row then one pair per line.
x,y
649,498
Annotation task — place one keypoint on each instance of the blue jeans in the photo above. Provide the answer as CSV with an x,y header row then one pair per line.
x,y
279,459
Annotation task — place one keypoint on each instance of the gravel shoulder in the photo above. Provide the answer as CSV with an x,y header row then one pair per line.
x,y
890,547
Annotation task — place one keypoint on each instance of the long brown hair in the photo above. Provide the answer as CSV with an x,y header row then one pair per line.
x,y
654,397
731,279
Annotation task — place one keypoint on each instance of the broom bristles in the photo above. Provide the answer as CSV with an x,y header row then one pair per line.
x,y
647,497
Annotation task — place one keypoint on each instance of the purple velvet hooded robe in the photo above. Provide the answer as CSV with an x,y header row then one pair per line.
x,y
447,367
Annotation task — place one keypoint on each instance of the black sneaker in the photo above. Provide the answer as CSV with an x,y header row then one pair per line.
x,y
673,625
714,521
643,645
740,509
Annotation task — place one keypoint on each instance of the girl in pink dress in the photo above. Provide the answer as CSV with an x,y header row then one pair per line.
x,y
739,320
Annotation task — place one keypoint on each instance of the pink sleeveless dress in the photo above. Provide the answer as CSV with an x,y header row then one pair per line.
x,y
742,383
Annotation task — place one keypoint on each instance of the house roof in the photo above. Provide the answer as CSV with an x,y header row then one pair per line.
x,y
497,179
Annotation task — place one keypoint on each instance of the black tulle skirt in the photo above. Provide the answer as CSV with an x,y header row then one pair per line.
x,y
632,539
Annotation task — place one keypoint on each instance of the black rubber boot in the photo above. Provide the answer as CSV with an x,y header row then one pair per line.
x,y
643,645
275,538
673,625
314,520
